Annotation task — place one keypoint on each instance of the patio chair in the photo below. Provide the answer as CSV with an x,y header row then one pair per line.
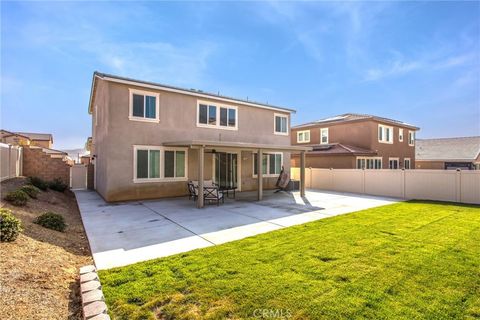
x,y
213,194
282,181
192,192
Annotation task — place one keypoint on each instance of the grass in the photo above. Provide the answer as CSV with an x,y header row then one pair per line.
x,y
406,260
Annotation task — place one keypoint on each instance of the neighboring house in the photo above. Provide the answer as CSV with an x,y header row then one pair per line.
x,y
14,138
149,139
448,153
350,141
38,158
44,140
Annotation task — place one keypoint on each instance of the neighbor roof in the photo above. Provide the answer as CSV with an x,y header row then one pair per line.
x,y
347,117
193,92
6,133
451,149
339,149
37,136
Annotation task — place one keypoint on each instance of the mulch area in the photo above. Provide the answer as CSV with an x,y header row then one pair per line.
x,y
39,271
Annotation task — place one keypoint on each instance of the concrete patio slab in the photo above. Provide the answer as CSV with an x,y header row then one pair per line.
x,y
124,233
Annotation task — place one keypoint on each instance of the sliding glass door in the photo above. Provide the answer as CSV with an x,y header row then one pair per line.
x,y
225,170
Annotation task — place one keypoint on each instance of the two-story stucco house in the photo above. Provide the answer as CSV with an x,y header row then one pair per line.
x,y
149,139
350,141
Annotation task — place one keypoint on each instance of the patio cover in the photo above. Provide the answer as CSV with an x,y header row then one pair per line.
x,y
201,145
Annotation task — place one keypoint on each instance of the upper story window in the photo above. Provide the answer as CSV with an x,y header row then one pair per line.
x,y
158,164
217,116
385,134
271,164
324,136
400,135
303,136
144,106
411,138
281,124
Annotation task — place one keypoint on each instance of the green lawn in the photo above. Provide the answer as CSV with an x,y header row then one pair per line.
x,y
406,260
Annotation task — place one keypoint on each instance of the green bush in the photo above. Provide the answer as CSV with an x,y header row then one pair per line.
x,y
17,198
31,190
39,183
58,185
51,220
10,226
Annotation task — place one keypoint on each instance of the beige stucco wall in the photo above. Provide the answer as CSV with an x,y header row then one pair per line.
x,y
114,136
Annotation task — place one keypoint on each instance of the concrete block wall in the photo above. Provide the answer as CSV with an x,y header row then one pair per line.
x,y
37,163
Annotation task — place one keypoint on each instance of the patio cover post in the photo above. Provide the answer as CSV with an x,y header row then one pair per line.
x,y
260,174
302,174
201,156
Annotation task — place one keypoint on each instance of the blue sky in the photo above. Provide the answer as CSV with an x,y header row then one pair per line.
x,y
413,61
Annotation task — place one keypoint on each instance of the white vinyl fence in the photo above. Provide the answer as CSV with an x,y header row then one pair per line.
x,y
10,161
445,185
78,176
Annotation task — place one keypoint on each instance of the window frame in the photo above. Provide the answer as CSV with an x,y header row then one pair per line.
x,y
383,139
394,159
400,134
162,177
281,115
411,138
303,140
374,159
268,175
217,106
409,163
321,131
144,93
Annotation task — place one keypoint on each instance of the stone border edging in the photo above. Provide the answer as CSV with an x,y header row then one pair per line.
x,y
93,301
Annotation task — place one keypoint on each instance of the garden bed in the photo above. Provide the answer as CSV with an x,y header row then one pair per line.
x,y
39,271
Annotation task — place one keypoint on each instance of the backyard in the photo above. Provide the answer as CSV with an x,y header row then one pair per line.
x,y
408,260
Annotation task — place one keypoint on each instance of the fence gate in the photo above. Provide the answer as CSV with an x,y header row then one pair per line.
x,y
78,177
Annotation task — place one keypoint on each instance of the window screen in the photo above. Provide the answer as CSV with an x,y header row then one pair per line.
x,y
138,107
142,164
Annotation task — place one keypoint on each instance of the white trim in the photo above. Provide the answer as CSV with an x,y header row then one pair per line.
x,y
239,166
131,92
400,134
410,132
275,115
323,130
266,175
409,163
186,92
384,135
304,140
162,177
217,116
369,158
394,159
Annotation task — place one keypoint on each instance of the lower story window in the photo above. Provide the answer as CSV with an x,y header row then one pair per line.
x,y
158,163
407,164
369,163
393,163
271,163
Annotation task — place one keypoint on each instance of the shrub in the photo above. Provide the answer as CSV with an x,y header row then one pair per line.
x,y
39,183
31,190
51,220
58,185
17,198
10,226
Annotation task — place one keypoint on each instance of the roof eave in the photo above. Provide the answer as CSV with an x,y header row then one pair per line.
x,y
152,85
